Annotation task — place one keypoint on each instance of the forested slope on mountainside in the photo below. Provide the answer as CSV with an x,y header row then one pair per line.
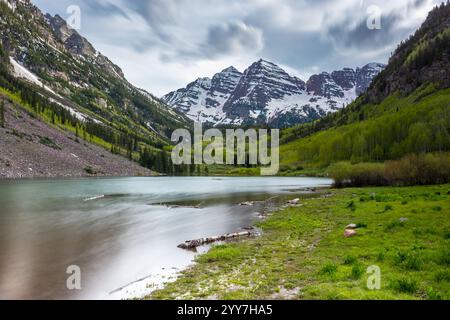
x,y
31,148
406,110
61,79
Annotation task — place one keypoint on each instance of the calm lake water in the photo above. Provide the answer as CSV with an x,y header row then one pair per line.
x,y
118,231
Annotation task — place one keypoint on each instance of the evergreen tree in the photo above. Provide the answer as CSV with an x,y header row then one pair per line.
x,y
2,114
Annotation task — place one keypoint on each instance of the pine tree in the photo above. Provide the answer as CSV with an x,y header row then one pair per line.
x,y
2,113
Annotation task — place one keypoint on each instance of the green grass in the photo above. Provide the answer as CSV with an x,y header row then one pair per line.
x,y
303,251
220,253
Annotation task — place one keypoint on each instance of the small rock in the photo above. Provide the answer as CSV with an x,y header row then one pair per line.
x,y
351,226
404,219
294,202
247,203
349,233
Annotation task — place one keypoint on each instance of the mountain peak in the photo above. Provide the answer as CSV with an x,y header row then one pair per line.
x,y
261,63
265,62
264,68
375,65
80,46
266,93
230,69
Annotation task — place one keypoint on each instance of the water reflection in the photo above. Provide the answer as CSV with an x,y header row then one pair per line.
x,y
127,234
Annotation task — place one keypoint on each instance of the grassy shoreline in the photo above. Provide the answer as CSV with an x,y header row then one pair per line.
x,y
303,253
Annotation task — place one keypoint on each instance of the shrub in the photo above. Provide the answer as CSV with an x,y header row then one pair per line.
x,y
394,225
358,175
413,262
348,260
49,143
442,276
433,295
361,225
404,285
329,269
444,257
418,170
410,260
381,256
410,170
357,272
90,170
351,206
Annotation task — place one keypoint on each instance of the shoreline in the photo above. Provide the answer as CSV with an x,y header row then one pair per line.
x,y
139,289
304,254
127,212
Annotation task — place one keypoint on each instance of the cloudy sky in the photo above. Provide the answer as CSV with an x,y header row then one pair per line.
x,y
164,44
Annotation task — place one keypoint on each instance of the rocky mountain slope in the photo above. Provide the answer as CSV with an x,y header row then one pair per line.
x,y
266,94
422,59
58,77
30,148
47,52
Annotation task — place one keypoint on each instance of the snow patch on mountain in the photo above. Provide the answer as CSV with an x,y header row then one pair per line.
x,y
21,72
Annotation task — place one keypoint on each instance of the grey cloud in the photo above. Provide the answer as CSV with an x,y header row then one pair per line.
x,y
88,7
233,38
296,33
156,11
418,3
299,50
158,14
103,9
360,36
227,39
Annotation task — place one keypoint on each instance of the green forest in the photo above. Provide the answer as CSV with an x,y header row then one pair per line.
x,y
148,149
419,123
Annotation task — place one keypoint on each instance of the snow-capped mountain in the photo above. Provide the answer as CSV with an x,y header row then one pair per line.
x,y
267,94
203,99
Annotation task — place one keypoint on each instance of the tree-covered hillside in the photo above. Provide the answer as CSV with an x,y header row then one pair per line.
x,y
66,83
406,110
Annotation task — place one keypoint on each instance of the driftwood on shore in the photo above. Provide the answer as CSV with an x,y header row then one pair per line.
x,y
192,244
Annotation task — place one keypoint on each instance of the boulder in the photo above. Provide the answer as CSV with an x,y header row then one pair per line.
x,y
294,202
350,233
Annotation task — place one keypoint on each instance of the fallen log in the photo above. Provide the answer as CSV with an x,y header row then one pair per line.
x,y
192,244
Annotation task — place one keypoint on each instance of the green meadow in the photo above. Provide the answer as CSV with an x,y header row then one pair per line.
x,y
303,254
